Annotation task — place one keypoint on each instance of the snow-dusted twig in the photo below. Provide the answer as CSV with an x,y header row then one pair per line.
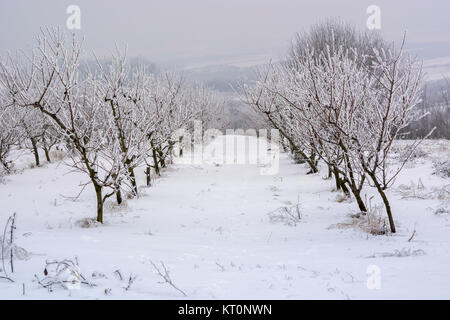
x,y
62,273
8,244
131,280
75,198
164,274
119,274
11,240
289,215
412,236
222,268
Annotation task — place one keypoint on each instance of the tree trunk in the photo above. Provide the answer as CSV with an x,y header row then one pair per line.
x,y
47,153
360,202
344,187
170,153
181,146
35,151
133,180
336,178
155,162
5,165
148,176
351,182
162,160
155,158
357,194
385,201
312,161
46,149
98,192
119,196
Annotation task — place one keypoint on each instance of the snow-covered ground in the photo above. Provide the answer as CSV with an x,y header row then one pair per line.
x,y
220,232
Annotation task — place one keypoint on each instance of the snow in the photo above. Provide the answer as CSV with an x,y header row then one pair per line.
x,y
211,227
437,68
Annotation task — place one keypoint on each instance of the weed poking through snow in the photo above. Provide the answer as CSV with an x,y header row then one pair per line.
x,y
288,215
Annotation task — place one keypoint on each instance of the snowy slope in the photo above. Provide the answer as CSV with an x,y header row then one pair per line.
x,y
210,226
437,68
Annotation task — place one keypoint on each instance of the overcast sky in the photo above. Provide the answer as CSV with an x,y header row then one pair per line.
x,y
178,29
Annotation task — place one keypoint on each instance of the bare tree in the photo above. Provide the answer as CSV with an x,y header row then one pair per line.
x,y
123,92
48,81
113,118
346,110
9,136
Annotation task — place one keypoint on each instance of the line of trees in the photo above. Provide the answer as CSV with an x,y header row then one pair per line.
x,y
435,106
341,97
112,117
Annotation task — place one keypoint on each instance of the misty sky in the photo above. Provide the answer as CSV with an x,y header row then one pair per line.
x,y
181,29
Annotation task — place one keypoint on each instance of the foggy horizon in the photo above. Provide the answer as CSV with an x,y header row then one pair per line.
x,y
177,31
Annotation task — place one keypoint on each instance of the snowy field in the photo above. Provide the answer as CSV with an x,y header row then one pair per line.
x,y
222,233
